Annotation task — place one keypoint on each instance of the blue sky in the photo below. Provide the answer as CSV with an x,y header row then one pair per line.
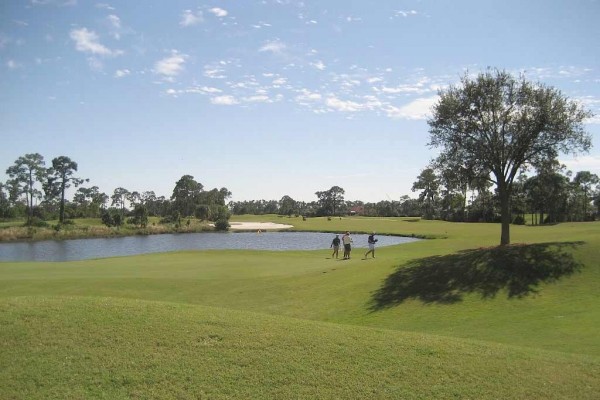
x,y
269,97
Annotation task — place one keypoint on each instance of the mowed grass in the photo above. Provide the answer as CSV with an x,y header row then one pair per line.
x,y
453,317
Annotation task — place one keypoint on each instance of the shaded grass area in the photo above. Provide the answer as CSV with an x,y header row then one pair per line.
x,y
72,348
518,270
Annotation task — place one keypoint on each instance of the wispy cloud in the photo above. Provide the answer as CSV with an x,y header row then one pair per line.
x,y
121,73
189,18
318,65
224,100
343,105
58,3
219,12
417,109
171,66
105,6
87,41
12,64
404,14
258,99
115,26
583,163
274,46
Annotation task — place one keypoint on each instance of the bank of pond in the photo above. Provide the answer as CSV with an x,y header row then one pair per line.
x,y
81,249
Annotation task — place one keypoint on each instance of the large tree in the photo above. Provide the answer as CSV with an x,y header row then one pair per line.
x,y
186,195
585,182
26,171
60,178
330,200
119,199
429,184
499,124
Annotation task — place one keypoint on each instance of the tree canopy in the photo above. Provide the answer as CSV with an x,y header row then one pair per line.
x,y
497,125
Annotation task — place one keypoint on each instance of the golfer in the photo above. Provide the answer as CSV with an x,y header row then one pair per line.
x,y
372,242
335,245
347,240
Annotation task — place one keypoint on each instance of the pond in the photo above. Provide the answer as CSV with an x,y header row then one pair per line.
x,y
81,249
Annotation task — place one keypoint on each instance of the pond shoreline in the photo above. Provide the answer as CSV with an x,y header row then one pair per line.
x,y
80,249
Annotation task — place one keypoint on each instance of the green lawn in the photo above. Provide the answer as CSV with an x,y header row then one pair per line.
x,y
452,317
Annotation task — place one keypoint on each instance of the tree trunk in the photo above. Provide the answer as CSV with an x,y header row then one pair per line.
x,y
504,214
61,218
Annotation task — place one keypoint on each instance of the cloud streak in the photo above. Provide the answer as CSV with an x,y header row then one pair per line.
x,y
87,41
171,66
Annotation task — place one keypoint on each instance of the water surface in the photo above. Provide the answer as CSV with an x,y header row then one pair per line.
x,y
81,249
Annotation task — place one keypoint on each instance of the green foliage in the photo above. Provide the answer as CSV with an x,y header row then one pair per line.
x,y
140,216
202,212
25,173
222,224
60,178
494,125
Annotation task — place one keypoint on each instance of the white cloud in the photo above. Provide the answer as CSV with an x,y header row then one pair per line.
x,y
593,104
318,65
224,100
258,99
87,42
353,19
59,3
115,26
583,163
308,96
273,46
12,64
214,71
105,6
342,105
171,66
120,73
219,12
189,18
405,14
212,90
417,109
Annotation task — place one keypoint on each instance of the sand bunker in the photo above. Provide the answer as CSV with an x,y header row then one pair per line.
x,y
254,226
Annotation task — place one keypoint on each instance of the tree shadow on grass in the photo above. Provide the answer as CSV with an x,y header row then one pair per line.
x,y
517,269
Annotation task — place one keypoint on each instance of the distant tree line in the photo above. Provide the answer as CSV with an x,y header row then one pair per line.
x,y
37,193
550,195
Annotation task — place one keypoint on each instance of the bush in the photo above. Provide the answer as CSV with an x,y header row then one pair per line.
x,y
222,224
37,222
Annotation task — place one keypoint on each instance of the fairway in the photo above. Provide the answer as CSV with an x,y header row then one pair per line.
x,y
449,317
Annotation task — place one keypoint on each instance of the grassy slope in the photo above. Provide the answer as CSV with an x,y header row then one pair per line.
x,y
115,348
562,316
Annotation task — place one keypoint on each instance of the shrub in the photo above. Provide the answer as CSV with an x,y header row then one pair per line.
x,y
222,224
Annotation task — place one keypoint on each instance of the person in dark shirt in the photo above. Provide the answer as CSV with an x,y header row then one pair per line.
x,y
335,245
372,242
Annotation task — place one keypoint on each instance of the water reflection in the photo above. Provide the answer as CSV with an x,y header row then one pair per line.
x,y
80,249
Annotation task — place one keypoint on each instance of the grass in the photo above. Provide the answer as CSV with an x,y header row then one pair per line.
x,y
453,317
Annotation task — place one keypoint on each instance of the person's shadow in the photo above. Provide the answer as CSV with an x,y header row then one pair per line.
x,y
518,269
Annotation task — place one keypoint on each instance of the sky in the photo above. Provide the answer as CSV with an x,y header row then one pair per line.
x,y
270,97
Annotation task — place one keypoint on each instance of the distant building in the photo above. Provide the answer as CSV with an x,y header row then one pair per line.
x,y
357,210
